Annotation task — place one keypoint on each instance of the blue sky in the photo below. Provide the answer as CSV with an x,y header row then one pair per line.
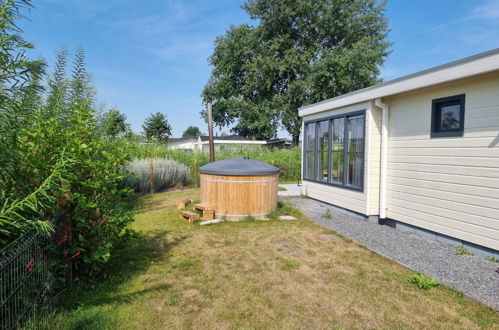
x,y
150,56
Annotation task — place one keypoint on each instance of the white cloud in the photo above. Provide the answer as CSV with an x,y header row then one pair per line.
x,y
488,10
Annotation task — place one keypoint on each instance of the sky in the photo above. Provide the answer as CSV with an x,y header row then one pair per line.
x,y
152,55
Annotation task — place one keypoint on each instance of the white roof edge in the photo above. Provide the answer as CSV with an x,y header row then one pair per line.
x,y
236,141
466,67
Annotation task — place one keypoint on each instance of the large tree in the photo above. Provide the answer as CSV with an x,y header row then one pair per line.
x,y
300,52
113,124
191,131
156,127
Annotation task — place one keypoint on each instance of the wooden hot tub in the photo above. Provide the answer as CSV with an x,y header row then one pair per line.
x,y
238,187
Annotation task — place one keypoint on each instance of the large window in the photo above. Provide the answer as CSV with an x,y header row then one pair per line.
x,y
334,150
447,116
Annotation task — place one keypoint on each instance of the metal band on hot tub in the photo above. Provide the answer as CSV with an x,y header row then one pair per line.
x,y
240,215
240,181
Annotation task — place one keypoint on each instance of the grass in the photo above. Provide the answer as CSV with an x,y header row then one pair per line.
x,y
256,274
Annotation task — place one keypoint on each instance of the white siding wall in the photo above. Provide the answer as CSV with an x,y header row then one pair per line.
x,y
349,199
447,185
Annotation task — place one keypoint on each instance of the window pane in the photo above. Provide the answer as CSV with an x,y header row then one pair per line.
x,y
310,138
309,150
355,151
323,157
450,116
309,169
338,132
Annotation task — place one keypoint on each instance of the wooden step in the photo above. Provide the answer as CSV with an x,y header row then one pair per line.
x,y
208,215
183,204
208,212
188,215
202,207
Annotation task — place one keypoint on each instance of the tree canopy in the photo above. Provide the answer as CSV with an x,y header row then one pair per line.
x,y
192,131
300,52
114,123
156,127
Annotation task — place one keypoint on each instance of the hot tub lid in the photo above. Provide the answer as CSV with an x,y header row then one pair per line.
x,y
239,166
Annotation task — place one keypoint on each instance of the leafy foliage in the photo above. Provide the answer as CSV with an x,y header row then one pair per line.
x,y
423,281
57,176
192,131
113,124
58,83
299,52
81,89
19,84
156,128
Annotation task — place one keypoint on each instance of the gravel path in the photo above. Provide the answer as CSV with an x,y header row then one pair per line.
x,y
476,277
292,189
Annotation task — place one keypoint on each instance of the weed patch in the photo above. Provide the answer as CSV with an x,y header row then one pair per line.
x,y
328,215
423,281
462,251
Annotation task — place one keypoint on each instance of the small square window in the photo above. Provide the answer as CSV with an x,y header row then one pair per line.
x,y
447,116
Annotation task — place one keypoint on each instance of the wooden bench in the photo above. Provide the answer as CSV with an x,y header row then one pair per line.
x,y
208,212
188,215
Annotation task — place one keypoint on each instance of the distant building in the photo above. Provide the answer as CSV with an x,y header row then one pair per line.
x,y
201,143
280,143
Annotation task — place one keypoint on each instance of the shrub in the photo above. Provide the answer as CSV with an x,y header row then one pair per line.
x,y
167,173
423,281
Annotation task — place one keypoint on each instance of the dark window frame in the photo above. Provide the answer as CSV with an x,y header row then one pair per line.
x,y
436,116
329,182
306,151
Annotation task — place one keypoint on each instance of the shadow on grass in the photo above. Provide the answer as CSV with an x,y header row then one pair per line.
x,y
130,259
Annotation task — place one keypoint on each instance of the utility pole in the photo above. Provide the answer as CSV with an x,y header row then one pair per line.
x,y
210,132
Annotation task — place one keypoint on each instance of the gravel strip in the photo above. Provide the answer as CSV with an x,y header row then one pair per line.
x,y
291,190
474,276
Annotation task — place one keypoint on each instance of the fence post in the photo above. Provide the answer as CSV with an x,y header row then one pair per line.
x,y
196,173
151,176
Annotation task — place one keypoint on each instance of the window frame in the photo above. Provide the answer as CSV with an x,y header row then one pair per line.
x,y
318,151
305,151
436,111
329,182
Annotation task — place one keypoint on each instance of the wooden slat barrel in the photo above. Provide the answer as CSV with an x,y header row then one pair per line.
x,y
236,188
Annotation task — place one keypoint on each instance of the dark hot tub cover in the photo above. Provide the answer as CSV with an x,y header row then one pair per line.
x,y
239,166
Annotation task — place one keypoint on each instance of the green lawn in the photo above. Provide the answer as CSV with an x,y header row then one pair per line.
x,y
256,274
